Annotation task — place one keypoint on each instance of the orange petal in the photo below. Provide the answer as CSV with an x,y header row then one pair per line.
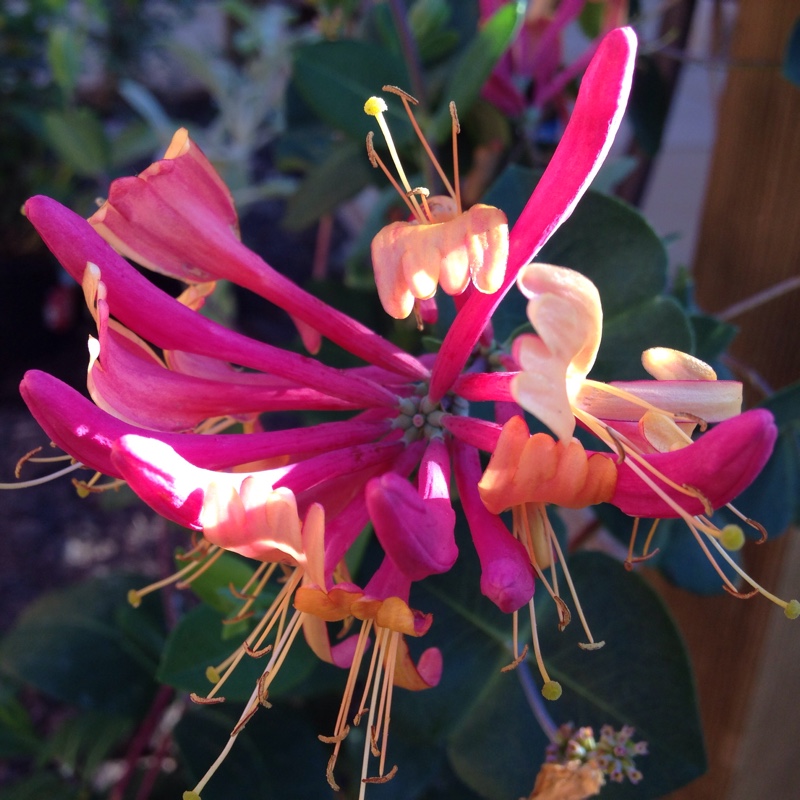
x,y
539,469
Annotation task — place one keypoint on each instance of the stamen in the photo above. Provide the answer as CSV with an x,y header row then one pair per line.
x,y
341,729
44,479
591,645
375,107
135,595
205,701
789,607
751,522
617,445
709,509
456,129
517,661
407,99
376,161
551,690
85,488
632,543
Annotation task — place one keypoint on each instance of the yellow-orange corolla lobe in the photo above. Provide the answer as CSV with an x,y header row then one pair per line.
x,y
539,469
411,258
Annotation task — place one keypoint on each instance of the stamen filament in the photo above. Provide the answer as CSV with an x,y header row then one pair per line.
x,y
592,644
456,128
377,161
421,136
43,479
724,553
537,652
135,595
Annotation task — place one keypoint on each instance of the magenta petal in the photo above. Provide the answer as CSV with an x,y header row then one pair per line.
x,y
416,527
587,139
177,217
87,433
143,308
720,464
507,577
165,481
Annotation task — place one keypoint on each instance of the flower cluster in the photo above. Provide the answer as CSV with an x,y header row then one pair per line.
x,y
614,753
167,382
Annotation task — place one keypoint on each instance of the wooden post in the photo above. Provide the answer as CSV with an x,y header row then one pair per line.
x,y
750,241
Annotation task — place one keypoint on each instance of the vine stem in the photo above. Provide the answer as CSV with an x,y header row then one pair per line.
x,y
141,738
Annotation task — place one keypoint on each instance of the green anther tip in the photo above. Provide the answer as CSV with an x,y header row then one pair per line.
x,y
792,609
731,537
212,675
375,106
134,598
551,690
191,796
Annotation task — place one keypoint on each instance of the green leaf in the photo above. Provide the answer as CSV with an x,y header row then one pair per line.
x,y
197,642
78,138
684,564
277,755
69,645
473,66
712,336
772,498
791,55
17,735
591,19
658,322
213,585
43,786
641,677
785,405
341,176
83,742
613,244
63,57
337,78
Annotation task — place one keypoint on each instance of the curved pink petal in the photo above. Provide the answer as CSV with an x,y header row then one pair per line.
x,y
87,432
720,464
143,308
129,384
507,577
587,139
177,217
416,526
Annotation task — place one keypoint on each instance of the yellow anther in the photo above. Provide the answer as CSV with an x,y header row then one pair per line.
x,y
134,598
375,106
191,796
731,537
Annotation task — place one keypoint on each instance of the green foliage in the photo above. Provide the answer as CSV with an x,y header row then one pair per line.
x,y
473,66
72,645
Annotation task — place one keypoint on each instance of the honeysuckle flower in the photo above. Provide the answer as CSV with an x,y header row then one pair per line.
x,y
586,141
383,610
177,217
683,478
443,244
530,72
166,380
